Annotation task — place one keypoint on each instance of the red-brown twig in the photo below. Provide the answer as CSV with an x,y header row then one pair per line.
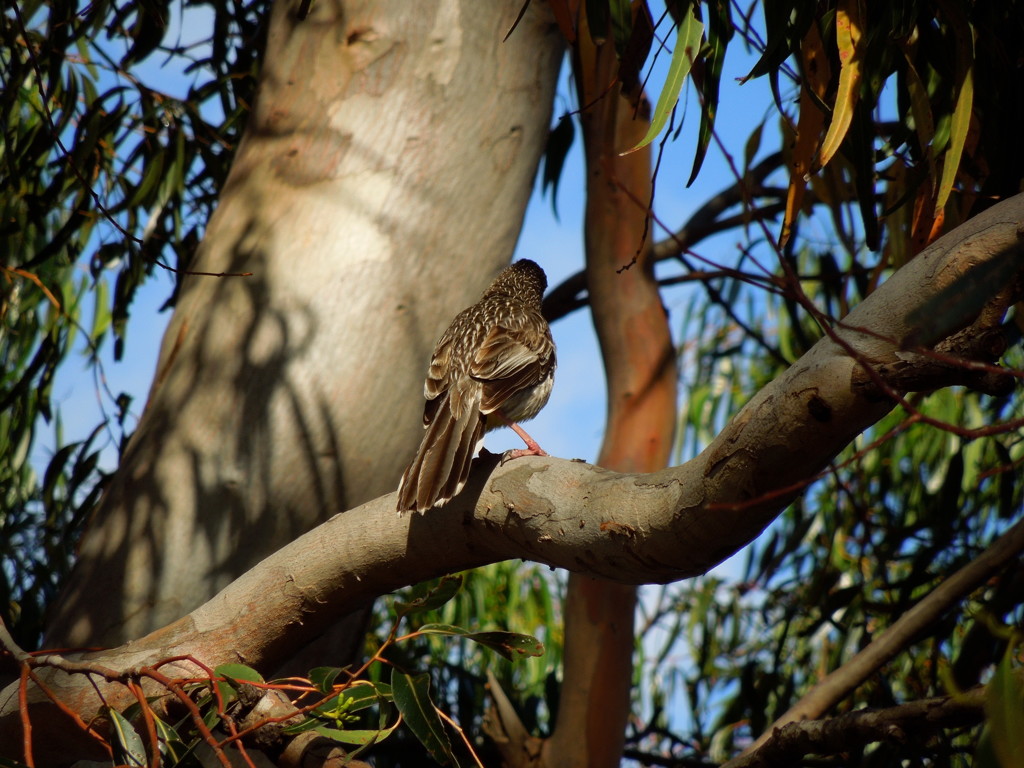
x,y
26,723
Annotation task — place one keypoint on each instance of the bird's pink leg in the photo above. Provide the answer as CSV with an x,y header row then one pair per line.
x,y
531,449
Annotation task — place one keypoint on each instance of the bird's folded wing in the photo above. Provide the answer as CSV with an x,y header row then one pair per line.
x,y
507,362
440,373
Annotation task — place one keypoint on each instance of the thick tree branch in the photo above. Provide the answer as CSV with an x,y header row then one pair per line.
x,y
631,528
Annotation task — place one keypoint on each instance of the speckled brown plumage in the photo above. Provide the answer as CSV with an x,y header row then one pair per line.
x,y
493,367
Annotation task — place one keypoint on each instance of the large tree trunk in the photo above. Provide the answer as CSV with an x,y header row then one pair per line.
x,y
293,393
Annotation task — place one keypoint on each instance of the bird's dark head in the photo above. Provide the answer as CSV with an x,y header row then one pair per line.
x,y
524,280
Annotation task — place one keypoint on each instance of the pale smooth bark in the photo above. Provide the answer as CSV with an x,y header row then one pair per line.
x,y
381,184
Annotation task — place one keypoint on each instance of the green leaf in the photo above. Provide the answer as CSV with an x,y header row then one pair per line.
x,y
777,15
356,697
427,597
622,23
101,311
412,696
173,746
920,107
984,754
363,695
128,745
960,121
510,645
720,31
850,16
356,736
233,674
307,724
958,129
238,672
342,707
56,473
752,146
686,51
152,177
323,678
559,142
1004,707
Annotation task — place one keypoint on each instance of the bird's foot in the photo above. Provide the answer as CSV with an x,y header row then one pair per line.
x,y
531,449
534,450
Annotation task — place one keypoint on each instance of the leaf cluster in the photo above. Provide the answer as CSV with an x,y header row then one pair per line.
x,y
508,597
394,703
105,175
878,105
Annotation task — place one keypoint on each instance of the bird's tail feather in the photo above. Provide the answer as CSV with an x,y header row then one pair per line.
x,y
442,463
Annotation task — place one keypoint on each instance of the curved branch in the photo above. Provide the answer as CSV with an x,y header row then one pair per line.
x,y
632,528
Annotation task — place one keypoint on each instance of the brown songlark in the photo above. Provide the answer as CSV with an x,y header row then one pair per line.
x,y
493,367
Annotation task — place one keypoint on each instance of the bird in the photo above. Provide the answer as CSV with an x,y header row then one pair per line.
x,y
493,367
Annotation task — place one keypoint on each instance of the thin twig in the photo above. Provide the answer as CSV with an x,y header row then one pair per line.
x,y
147,719
175,687
853,730
26,723
75,717
840,683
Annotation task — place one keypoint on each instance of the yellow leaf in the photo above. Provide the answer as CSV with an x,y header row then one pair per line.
x,y
815,74
849,32
687,47
957,137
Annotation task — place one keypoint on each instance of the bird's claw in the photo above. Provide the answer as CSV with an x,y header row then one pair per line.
x,y
520,452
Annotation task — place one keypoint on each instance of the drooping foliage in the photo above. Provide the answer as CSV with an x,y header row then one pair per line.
x,y
895,515
106,177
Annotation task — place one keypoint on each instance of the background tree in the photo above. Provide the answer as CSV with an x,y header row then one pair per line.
x,y
267,405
